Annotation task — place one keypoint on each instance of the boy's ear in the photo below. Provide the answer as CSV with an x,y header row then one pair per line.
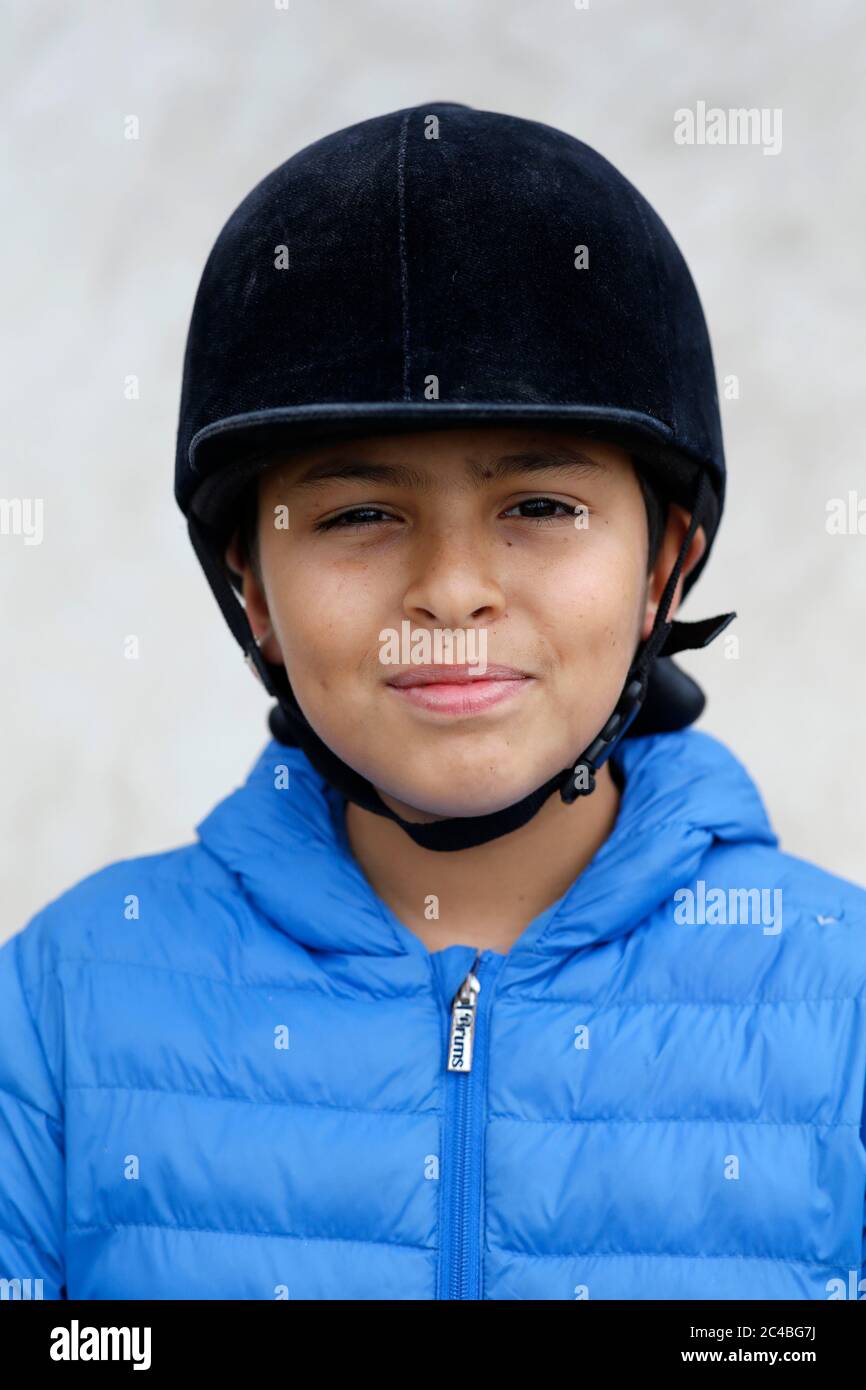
x,y
255,602
678,522
233,555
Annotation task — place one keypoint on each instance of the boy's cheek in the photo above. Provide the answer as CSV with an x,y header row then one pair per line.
x,y
598,633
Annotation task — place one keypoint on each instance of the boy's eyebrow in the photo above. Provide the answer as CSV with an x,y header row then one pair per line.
x,y
565,458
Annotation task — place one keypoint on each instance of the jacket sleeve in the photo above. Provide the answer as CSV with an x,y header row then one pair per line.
x,y
862,1288
32,1161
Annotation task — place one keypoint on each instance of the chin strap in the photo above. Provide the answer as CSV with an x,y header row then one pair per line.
x,y
289,725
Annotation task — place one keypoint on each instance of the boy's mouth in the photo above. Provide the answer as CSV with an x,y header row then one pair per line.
x,y
445,674
459,690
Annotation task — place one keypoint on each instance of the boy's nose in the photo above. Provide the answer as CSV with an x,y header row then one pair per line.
x,y
453,585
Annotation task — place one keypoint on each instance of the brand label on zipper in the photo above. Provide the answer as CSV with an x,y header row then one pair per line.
x,y
463,1025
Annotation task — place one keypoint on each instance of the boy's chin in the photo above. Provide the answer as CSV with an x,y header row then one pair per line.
x,y
425,803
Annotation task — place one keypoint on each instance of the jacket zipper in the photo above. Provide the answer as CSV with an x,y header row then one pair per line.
x,y
466,1065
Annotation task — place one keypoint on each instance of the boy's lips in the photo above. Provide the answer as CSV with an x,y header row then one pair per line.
x,y
457,690
454,675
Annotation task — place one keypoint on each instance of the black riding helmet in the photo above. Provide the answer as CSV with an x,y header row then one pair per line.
x,y
436,267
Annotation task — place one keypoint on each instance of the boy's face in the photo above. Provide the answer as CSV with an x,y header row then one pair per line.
x,y
531,541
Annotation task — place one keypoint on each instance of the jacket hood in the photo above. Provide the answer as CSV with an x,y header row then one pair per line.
x,y
284,838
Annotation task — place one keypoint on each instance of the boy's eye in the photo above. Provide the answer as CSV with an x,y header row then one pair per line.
x,y
541,509
350,521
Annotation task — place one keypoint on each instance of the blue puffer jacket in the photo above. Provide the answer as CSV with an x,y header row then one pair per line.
x,y
223,1069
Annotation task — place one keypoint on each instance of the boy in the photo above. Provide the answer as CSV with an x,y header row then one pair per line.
x,y
491,981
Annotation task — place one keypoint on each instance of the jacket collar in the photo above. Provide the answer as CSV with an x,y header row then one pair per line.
x,y
282,834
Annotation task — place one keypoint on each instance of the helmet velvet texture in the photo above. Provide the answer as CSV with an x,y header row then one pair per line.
x,y
433,267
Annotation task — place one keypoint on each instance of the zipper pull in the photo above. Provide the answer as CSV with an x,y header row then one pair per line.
x,y
463,1024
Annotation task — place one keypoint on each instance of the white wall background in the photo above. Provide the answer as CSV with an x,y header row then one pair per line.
x,y
105,238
